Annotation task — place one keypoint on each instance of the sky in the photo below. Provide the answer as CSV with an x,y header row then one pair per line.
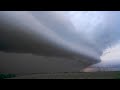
x,y
93,25
36,27
110,60
43,32
101,28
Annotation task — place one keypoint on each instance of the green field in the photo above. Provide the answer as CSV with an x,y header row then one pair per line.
x,y
80,75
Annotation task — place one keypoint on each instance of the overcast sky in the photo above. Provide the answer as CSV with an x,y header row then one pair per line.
x,y
99,28
102,29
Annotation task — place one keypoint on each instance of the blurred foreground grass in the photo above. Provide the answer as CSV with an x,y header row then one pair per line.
x,y
4,76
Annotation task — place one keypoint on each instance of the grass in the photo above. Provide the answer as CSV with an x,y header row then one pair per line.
x,y
4,76
79,75
66,75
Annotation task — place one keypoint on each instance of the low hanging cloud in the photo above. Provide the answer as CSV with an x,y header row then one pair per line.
x,y
81,31
47,33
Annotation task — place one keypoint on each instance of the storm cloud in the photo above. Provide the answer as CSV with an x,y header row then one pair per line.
x,y
100,28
